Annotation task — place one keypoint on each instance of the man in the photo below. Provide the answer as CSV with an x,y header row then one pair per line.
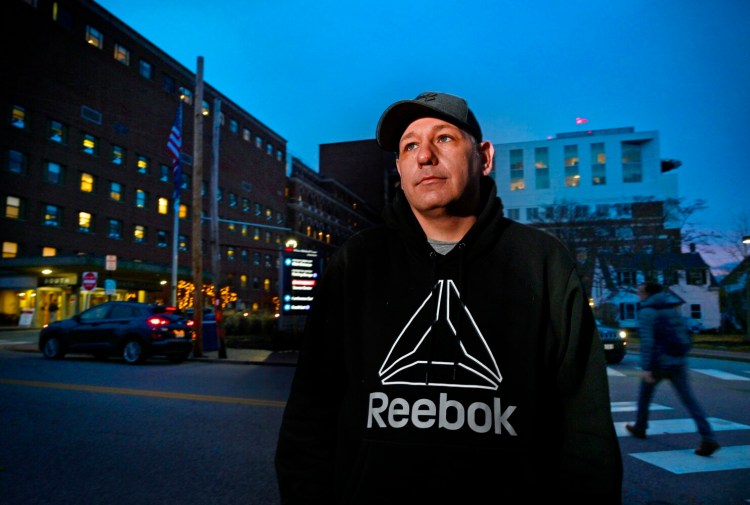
x,y
450,355
658,364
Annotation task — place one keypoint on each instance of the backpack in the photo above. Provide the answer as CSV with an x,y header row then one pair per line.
x,y
671,334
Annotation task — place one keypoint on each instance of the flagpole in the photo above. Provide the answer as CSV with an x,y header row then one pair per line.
x,y
174,145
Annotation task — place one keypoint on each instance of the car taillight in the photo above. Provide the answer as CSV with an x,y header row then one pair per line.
x,y
190,322
157,321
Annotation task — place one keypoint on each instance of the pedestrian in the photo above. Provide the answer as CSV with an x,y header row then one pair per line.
x,y
53,308
657,364
450,355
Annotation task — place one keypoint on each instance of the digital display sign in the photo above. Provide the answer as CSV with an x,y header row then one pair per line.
x,y
300,271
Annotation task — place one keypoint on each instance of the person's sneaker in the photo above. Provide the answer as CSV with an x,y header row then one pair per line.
x,y
707,448
635,431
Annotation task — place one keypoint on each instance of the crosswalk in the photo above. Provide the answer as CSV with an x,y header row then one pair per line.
x,y
684,461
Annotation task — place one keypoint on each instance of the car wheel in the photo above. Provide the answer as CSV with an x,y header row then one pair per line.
x,y
53,348
615,359
133,352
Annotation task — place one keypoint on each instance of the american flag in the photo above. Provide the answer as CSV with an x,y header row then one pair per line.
x,y
581,120
174,144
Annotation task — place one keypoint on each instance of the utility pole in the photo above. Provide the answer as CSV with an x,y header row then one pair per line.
x,y
215,247
198,209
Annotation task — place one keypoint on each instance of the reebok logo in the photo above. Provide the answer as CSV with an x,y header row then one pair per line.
x,y
447,414
416,359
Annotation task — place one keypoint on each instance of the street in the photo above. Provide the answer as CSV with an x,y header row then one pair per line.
x,y
84,431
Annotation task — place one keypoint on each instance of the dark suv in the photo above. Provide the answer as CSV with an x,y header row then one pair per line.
x,y
614,341
135,331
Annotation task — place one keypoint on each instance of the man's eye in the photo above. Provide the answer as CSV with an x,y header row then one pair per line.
x,y
410,146
444,138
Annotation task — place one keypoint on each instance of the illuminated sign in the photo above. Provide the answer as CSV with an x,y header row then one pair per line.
x,y
300,271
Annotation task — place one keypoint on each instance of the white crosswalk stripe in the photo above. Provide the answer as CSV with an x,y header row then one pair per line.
x,y
736,457
720,374
676,426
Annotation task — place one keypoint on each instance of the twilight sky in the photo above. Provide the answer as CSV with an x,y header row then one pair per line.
x,y
323,71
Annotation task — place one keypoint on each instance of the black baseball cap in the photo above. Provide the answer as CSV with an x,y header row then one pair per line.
x,y
398,116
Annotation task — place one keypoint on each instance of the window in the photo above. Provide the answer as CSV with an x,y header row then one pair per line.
x,y
245,204
269,149
115,191
256,258
91,115
516,169
85,222
695,311
572,175
18,117
143,164
243,280
267,285
87,183
168,84
57,132
49,251
139,233
632,170
186,95
162,205
232,200
233,126
114,228
145,69
514,214
122,54
627,311
141,199
269,214
231,256
94,37
118,155
541,167
627,277
258,209
182,243
89,144
258,141
532,214
165,173
206,110
598,164
17,162
279,155
14,207
51,215
162,238
696,276
246,135
183,211
10,249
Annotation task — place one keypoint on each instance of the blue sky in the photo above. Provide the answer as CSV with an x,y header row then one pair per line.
x,y
321,72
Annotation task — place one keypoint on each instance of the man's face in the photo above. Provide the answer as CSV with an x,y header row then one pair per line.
x,y
440,167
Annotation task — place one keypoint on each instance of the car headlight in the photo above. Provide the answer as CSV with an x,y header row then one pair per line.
x,y
623,334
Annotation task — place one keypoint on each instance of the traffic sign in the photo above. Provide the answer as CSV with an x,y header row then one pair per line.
x,y
88,280
110,287
111,263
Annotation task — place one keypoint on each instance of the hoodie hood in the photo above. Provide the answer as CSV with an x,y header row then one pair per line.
x,y
663,300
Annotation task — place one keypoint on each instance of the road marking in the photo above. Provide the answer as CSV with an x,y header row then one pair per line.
x,y
674,426
614,373
720,374
633,407
735,457
143,392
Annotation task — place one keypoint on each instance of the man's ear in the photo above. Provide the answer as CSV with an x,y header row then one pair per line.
x,y
487,151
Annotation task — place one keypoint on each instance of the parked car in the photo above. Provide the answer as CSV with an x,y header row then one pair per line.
x,y
134,331
614,340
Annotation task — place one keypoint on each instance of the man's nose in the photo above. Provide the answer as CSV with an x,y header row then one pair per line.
x,y
426,154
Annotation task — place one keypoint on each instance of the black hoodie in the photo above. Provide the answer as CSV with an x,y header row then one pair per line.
x,y
473,376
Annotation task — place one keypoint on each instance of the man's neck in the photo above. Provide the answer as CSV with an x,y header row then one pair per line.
x,y
446,228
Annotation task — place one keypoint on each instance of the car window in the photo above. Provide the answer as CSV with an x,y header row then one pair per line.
x,y
95,313
121,312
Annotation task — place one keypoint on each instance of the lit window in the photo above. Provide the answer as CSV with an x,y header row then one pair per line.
x,y
57,132
230,254
269,214
246,135
269,149
279,155
48,251
115,191
267,284
89,144
516,170
258,141
183,211
142,164
163,205
10,249
13,207
243,280
118,155
186,95
84,222
52,215
139,233
141,199
206,110
94,37
122,55
572,174
18,117
87,182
